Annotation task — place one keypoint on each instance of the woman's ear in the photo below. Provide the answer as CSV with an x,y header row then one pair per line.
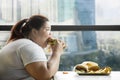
x,y
34,32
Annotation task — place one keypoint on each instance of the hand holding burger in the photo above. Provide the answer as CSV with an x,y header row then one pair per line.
x,y
55,46
52,42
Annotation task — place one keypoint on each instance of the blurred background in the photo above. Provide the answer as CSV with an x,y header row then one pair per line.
x,y
93,45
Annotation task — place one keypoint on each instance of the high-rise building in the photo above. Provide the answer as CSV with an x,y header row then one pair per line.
x,y
65,10
85,12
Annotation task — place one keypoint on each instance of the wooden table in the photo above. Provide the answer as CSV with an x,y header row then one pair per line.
x,y
70,75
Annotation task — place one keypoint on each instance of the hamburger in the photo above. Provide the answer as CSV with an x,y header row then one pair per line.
x,y
89,67
51,41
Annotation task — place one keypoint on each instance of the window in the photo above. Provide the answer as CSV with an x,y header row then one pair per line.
x,y
97,43
99,46
62,12
4,36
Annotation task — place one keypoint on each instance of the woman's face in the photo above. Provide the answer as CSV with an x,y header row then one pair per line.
x,y
43,34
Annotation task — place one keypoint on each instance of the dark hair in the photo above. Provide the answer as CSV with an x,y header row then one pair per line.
x,y
22,28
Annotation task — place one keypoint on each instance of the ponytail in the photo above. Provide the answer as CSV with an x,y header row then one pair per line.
x,y
23,28
16,30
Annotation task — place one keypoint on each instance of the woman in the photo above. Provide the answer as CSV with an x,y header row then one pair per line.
x,y
23,57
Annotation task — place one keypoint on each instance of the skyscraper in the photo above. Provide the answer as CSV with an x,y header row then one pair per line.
x,y
65,10
85,11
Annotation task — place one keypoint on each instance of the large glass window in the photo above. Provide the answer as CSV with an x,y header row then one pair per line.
x,y
102,47
62,12
3,38
99,46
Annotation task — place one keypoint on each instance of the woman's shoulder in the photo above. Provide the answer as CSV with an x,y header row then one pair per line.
x,y
18,43
26,42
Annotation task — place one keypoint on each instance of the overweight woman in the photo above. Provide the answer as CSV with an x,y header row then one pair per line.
x,y
23,57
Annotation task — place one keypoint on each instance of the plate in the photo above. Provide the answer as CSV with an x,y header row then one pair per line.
x,y
93,73
103,71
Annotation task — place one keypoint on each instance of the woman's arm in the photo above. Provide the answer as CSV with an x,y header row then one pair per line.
x,y
44,70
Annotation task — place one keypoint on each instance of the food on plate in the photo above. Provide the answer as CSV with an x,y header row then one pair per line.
x,y
89,67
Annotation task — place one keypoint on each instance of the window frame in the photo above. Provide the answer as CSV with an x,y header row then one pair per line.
x,y
74,27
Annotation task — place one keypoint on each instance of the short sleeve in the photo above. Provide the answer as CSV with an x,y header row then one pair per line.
x,y
31,53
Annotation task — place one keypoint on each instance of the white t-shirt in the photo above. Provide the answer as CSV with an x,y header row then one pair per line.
x,y
16,55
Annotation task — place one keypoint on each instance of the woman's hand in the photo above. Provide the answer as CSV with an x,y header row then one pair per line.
x,y
58,47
